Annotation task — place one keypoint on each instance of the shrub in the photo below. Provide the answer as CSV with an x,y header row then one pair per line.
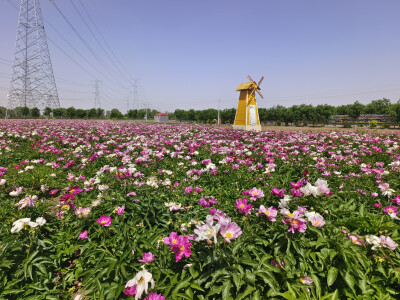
x,y
373,124
346,125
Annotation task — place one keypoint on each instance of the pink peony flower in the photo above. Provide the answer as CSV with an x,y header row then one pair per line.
x,y
306,280
188,190
378,205
120,210
356,239
255,193
154,296
147,257
230,232
388,242
396,199
242,205
130,290
83,235
390,210
270,212
104,221
294,220
317,221
277,192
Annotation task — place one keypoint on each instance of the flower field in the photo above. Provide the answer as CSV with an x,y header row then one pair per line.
x,y
118,210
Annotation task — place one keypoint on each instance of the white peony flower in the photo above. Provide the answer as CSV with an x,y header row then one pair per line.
x,y
141,282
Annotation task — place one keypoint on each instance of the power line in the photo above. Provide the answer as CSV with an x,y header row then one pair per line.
x,y
98,42
104,40
87,46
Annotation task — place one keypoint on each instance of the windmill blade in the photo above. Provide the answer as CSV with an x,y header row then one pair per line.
x,y
258,84
261,95
250,79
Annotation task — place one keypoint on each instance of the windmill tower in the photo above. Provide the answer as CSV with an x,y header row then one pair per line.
x,y
247,112
32,82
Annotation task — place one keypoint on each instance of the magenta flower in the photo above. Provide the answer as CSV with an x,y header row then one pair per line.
x,y
277,192
255,194
147,257
154,296
212,211
183,249
198,190
242,205
296,185
172,240
83,235
179,244
203,202
230,232
294,220
188,190
104,221
75,190
270,212
391,210
378,205
53,192
396,199
120,210
130,290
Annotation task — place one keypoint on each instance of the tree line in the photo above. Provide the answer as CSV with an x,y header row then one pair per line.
x,y
319,114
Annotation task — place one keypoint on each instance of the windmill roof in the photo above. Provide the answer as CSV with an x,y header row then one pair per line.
x,y
245,86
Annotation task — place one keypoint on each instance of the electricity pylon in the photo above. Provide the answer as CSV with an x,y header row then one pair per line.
x,y
32,82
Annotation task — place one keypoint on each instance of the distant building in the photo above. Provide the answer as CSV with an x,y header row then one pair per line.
x,y
161,118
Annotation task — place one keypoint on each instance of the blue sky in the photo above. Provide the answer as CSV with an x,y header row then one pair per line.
x,y
189,54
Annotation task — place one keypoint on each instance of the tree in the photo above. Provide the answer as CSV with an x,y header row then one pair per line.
x,y
132,114
47,112
116,114
81,113
381,107
35,112
71,112
25,111
355,110
100,113
92,113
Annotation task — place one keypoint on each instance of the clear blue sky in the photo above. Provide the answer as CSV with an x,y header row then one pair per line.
x,y
188,54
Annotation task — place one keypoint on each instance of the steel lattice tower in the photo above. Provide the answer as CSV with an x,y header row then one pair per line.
x,y
32,82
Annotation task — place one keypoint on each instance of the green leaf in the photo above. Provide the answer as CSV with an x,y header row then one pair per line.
x,y
247,292
226,289
250,277
332,275
180,285
349,279
331,296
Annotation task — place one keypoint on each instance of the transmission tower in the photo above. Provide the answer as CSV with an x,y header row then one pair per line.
x,y
96,94
32,82
135,103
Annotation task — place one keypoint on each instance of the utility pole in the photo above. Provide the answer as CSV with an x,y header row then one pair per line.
x,y
219,107
32,82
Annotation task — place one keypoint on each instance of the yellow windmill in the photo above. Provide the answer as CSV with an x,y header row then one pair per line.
x,y
247,112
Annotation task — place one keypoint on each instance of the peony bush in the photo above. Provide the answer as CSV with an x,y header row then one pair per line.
x,y
114,210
